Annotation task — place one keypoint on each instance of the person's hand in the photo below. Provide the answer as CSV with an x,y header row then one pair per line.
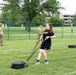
x,y
40,37
36,41
47,37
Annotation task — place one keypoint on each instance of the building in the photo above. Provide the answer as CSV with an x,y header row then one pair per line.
x,y
67,18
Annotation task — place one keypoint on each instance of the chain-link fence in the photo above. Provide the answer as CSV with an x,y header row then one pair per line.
x,y
20,33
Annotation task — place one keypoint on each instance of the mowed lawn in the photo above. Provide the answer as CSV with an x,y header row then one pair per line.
x,y
62,60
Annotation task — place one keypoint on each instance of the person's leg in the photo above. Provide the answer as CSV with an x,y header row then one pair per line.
x,y
39,56
2,42
1,39
45,56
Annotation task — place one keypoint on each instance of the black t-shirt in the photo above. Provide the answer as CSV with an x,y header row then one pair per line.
x,y
46,44
47,33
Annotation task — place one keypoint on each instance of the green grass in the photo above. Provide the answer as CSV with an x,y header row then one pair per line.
x,y
62,60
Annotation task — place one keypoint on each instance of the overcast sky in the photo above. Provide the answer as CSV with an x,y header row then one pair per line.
x,y
69,5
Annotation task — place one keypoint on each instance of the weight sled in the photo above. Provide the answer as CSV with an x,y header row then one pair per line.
x,y
22,64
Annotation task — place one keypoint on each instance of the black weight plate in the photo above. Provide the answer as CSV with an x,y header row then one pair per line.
x,y
18,65
71,46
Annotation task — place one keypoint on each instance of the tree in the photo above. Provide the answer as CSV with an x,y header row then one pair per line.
x,y
31,9
26,10
51,6
0,18
39,19
74,20
11,11
56,21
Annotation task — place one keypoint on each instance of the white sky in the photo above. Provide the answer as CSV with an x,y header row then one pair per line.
x,y
69,5
1,1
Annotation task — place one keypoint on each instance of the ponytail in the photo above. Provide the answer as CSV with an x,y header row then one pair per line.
x,y
51,27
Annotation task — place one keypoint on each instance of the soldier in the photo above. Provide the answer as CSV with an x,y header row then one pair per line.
x,y
1,35
39,32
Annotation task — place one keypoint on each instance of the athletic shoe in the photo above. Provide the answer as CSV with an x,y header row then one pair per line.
x,y
37,63
46,62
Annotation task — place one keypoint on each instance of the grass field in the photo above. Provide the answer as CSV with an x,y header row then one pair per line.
x,y
62,60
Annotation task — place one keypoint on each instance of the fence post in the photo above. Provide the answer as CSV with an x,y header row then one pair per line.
x,y
71,28
29,29
62,30
8,29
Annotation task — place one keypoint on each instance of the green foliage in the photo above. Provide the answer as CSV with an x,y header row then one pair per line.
x,y
25,10
39,19
74,20
56,21
0,17
11,11
31,9
51,5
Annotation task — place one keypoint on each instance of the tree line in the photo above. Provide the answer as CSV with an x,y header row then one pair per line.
x,y
23,11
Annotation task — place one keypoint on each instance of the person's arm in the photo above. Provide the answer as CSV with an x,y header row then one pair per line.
x,y
39,38
52,36
39,31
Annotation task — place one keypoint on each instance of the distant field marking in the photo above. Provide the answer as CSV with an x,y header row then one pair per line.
x,y
70,73
12,50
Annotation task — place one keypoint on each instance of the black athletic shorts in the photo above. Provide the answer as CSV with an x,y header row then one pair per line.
x,y
45,45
